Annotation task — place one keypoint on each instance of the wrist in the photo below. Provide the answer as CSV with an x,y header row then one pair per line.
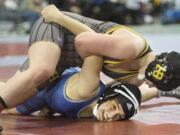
x,y
61,20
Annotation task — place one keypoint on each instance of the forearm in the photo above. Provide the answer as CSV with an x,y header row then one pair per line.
x,y
84,84
11,111
148,93
52,14
91,67
73,25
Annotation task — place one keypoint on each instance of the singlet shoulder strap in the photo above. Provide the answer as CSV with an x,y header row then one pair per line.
x,y
112,29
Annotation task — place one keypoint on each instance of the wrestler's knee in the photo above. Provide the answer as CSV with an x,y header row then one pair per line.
x,y
81,39
41,74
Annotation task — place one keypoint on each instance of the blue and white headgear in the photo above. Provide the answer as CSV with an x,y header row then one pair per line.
x,y
128,95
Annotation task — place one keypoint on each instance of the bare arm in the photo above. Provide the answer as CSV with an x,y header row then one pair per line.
x,y
84,84
11,111
148,93
52,14
89,43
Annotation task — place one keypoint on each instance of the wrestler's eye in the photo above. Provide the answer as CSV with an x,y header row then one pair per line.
x,y
114,107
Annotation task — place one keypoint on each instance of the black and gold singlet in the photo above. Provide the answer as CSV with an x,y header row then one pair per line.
x,y
43,31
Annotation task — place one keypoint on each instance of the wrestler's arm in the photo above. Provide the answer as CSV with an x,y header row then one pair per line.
x,y
11,111
148,93
52,14
84,84
91,43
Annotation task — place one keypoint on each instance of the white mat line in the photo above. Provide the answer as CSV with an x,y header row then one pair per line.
x,y
12,60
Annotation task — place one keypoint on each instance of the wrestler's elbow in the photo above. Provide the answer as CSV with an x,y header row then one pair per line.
x,y
81,44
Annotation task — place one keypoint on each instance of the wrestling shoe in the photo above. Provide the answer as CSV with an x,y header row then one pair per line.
x,y
174,93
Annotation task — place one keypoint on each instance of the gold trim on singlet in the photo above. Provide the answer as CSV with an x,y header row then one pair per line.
x,y
145,50
125,77
124,74
110,30
120,70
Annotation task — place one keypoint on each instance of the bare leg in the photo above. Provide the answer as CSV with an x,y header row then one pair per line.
x,y
43,58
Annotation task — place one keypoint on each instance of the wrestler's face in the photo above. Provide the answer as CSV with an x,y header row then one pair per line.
x,y
110,110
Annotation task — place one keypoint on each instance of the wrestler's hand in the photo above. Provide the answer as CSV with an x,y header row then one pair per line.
x,y
52,14
12,111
